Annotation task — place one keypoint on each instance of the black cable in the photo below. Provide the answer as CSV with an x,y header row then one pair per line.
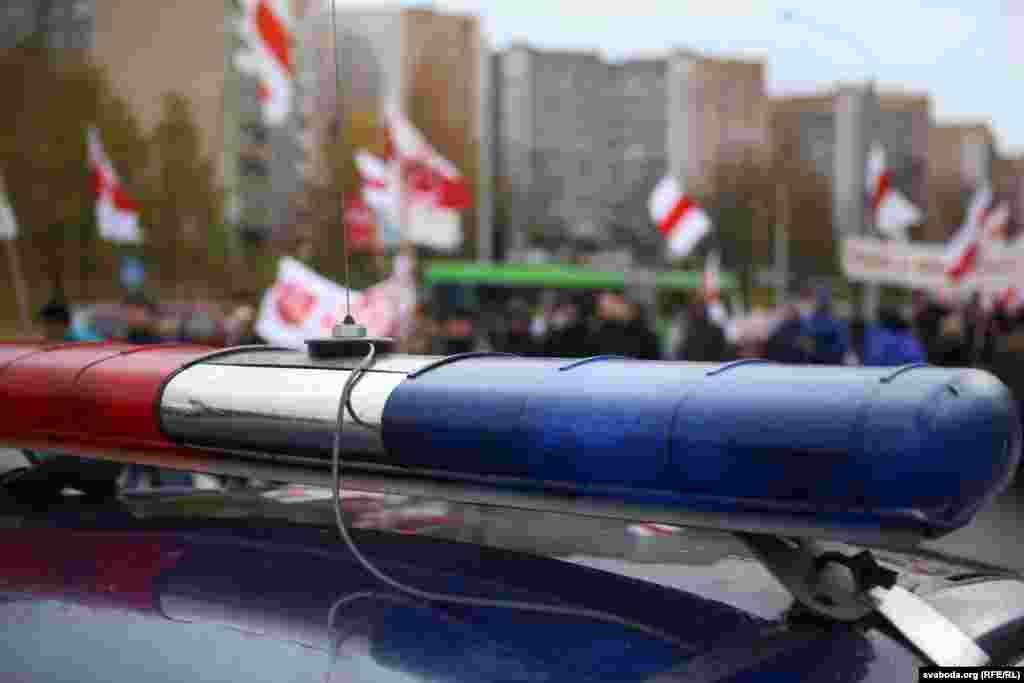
x,y
430,596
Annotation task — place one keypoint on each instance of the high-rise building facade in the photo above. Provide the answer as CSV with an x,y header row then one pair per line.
x,y
809,123
581,142
190,48
959,158
420,61
64,24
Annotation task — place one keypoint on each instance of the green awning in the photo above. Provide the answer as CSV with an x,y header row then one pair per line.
x,y
556,276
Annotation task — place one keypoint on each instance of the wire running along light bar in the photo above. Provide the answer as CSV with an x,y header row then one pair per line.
x,y
880,455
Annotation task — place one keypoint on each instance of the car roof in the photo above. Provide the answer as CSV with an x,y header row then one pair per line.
x,y
268,563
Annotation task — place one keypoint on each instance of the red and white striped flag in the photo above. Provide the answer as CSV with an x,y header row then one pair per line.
x,y
430,179
891,211
266,29
962,252
680,221
997,225
117,217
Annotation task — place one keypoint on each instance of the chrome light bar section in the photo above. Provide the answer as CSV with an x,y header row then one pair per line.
x,y
280,404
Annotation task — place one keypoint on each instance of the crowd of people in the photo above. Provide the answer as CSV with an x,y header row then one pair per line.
x,y
574,325
808,330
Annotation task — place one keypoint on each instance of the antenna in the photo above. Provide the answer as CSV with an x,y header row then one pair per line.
x,y
349,320
348,332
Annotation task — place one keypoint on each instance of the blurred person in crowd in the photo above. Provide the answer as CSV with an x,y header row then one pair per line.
x,y
889,343
55,318
622,329
927,315
141,320
423,336
458,332
702,340
568,332
828,334
240,327
788,343
951,346
517,337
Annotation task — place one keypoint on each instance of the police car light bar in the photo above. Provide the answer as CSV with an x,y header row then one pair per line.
x,y
872,456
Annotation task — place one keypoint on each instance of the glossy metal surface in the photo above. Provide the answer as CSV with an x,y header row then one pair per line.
x,y
270,411
914,449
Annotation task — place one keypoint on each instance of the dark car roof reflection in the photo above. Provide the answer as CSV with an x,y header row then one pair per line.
x,y
264,576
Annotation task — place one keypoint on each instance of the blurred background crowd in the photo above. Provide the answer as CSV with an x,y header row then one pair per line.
x,y
809,329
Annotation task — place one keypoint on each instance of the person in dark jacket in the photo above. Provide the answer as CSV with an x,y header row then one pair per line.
x,y
622,330
517,337
889,343
704,340
568,333
788,343
829,335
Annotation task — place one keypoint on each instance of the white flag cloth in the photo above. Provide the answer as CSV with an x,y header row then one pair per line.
x,y
378,181
893,213
117,217
680,221
8,223
997,225
387,308
962,252
300,305
434,227
266,29
433,190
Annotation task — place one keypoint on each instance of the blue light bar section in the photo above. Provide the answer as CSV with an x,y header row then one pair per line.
x,y
916,449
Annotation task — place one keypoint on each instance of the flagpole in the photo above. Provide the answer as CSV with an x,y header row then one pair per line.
x,y
781,244
20,289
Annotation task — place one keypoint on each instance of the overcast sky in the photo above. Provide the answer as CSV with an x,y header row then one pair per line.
x,y
968,55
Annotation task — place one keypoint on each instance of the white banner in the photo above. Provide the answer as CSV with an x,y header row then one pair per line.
x,y
301,305
433,227
923,266
304,305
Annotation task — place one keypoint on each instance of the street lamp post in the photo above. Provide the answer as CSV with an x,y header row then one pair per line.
x,y
861,225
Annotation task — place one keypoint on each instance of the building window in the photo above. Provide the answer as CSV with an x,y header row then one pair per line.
x,y
251,167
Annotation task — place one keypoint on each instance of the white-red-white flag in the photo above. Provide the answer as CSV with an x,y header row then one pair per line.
x,y
997,224
266,28
680,221
892,213
430,179
117,216
962,252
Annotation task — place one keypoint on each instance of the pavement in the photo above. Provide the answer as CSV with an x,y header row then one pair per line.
x,y
994,537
